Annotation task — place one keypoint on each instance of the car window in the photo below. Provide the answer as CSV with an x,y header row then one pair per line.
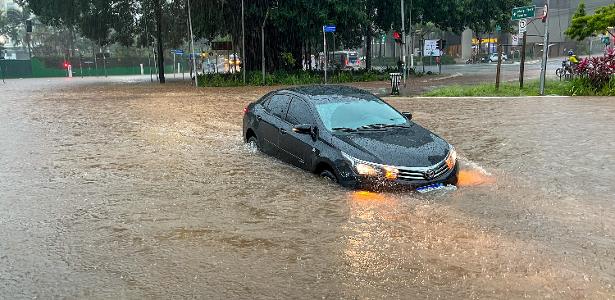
x,y
278,105
299,113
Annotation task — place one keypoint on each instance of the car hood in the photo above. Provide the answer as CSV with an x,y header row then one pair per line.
x,y
404,147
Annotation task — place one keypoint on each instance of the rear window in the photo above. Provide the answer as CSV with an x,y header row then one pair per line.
x,y
278,105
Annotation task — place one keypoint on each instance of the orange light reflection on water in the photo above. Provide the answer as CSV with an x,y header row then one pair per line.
x,y
473,178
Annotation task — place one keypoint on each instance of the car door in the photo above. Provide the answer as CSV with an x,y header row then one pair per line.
x,y
297,148
270,122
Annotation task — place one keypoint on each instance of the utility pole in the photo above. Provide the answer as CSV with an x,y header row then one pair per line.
x,y
403,41
545,51
243,43
196,74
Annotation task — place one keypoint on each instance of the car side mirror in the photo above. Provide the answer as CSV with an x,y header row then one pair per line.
x,y
408,115
303,129
306,129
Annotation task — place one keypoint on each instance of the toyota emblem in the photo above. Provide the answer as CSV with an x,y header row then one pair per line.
x,y
429,174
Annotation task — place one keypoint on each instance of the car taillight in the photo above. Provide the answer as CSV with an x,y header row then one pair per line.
x,y
245,110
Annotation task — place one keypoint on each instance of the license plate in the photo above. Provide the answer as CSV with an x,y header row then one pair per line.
x,y
430,188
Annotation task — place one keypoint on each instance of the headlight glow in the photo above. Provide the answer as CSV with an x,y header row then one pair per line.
x,y
365,168
451,160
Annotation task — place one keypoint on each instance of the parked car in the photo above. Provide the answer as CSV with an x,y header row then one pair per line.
x,y
349,136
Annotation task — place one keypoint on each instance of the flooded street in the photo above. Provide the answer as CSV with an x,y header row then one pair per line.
x,y
134,190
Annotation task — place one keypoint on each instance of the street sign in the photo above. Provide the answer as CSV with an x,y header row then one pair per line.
x,y
524,12
515,40
329,28
430,48
177,52
605,40
522,26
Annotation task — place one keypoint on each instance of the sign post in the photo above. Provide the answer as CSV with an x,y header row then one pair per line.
x,y
522,66
325,29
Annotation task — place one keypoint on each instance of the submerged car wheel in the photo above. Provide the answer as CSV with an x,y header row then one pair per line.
x,y
328,175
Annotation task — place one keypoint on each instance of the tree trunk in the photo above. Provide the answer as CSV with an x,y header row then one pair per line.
x,y
159,39
368,48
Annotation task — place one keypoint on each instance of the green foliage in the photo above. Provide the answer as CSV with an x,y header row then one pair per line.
x,y
291,78
583,26
561,88
583,86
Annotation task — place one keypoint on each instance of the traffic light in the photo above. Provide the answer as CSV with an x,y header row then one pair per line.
x,y
65,64
29,26
545,14
397,37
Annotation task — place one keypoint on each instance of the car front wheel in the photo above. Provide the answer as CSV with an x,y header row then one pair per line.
x,y
328,175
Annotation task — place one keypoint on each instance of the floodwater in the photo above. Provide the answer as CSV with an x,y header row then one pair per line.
x,y
132,190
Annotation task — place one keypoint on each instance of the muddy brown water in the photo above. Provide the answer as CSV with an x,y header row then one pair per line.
x,y
131,190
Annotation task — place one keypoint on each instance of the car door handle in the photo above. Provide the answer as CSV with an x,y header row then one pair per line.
x,y
283,131
259,118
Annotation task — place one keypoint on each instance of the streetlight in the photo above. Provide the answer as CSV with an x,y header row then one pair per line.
x,y
196,75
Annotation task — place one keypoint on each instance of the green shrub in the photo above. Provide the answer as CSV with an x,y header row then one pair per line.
x,y
293,78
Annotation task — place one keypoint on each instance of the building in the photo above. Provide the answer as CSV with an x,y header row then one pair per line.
x,y
560,14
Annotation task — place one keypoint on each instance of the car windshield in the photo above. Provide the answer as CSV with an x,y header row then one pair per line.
x,y
355,113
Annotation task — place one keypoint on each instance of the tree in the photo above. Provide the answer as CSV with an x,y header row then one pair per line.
x,y
583,26
3,32
126,22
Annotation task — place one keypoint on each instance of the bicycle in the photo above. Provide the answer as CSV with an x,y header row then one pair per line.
x,y
567,71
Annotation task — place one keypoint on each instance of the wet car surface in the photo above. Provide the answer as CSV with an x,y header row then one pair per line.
x,y
348,135
135,190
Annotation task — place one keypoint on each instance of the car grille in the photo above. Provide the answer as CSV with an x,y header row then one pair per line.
x,y
422,173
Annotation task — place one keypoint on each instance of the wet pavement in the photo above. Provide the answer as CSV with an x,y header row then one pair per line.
x,y
131,190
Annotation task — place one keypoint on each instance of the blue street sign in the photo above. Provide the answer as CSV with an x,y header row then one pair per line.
x,y
329,28
178,52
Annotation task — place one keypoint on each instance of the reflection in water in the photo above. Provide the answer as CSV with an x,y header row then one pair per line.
x,y
473,177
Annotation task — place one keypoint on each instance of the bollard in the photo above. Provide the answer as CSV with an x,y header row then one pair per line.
x,y
142,71
395,82
70,71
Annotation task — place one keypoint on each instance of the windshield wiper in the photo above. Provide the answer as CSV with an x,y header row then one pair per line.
x,y
344,129
382,126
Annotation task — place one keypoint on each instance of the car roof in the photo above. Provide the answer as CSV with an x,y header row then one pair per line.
x,y
328,93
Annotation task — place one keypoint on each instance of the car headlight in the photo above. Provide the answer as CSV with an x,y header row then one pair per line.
x,y
370,169
451,159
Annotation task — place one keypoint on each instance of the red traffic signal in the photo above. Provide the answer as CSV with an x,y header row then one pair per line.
x,y
545,14
65,65
397,37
